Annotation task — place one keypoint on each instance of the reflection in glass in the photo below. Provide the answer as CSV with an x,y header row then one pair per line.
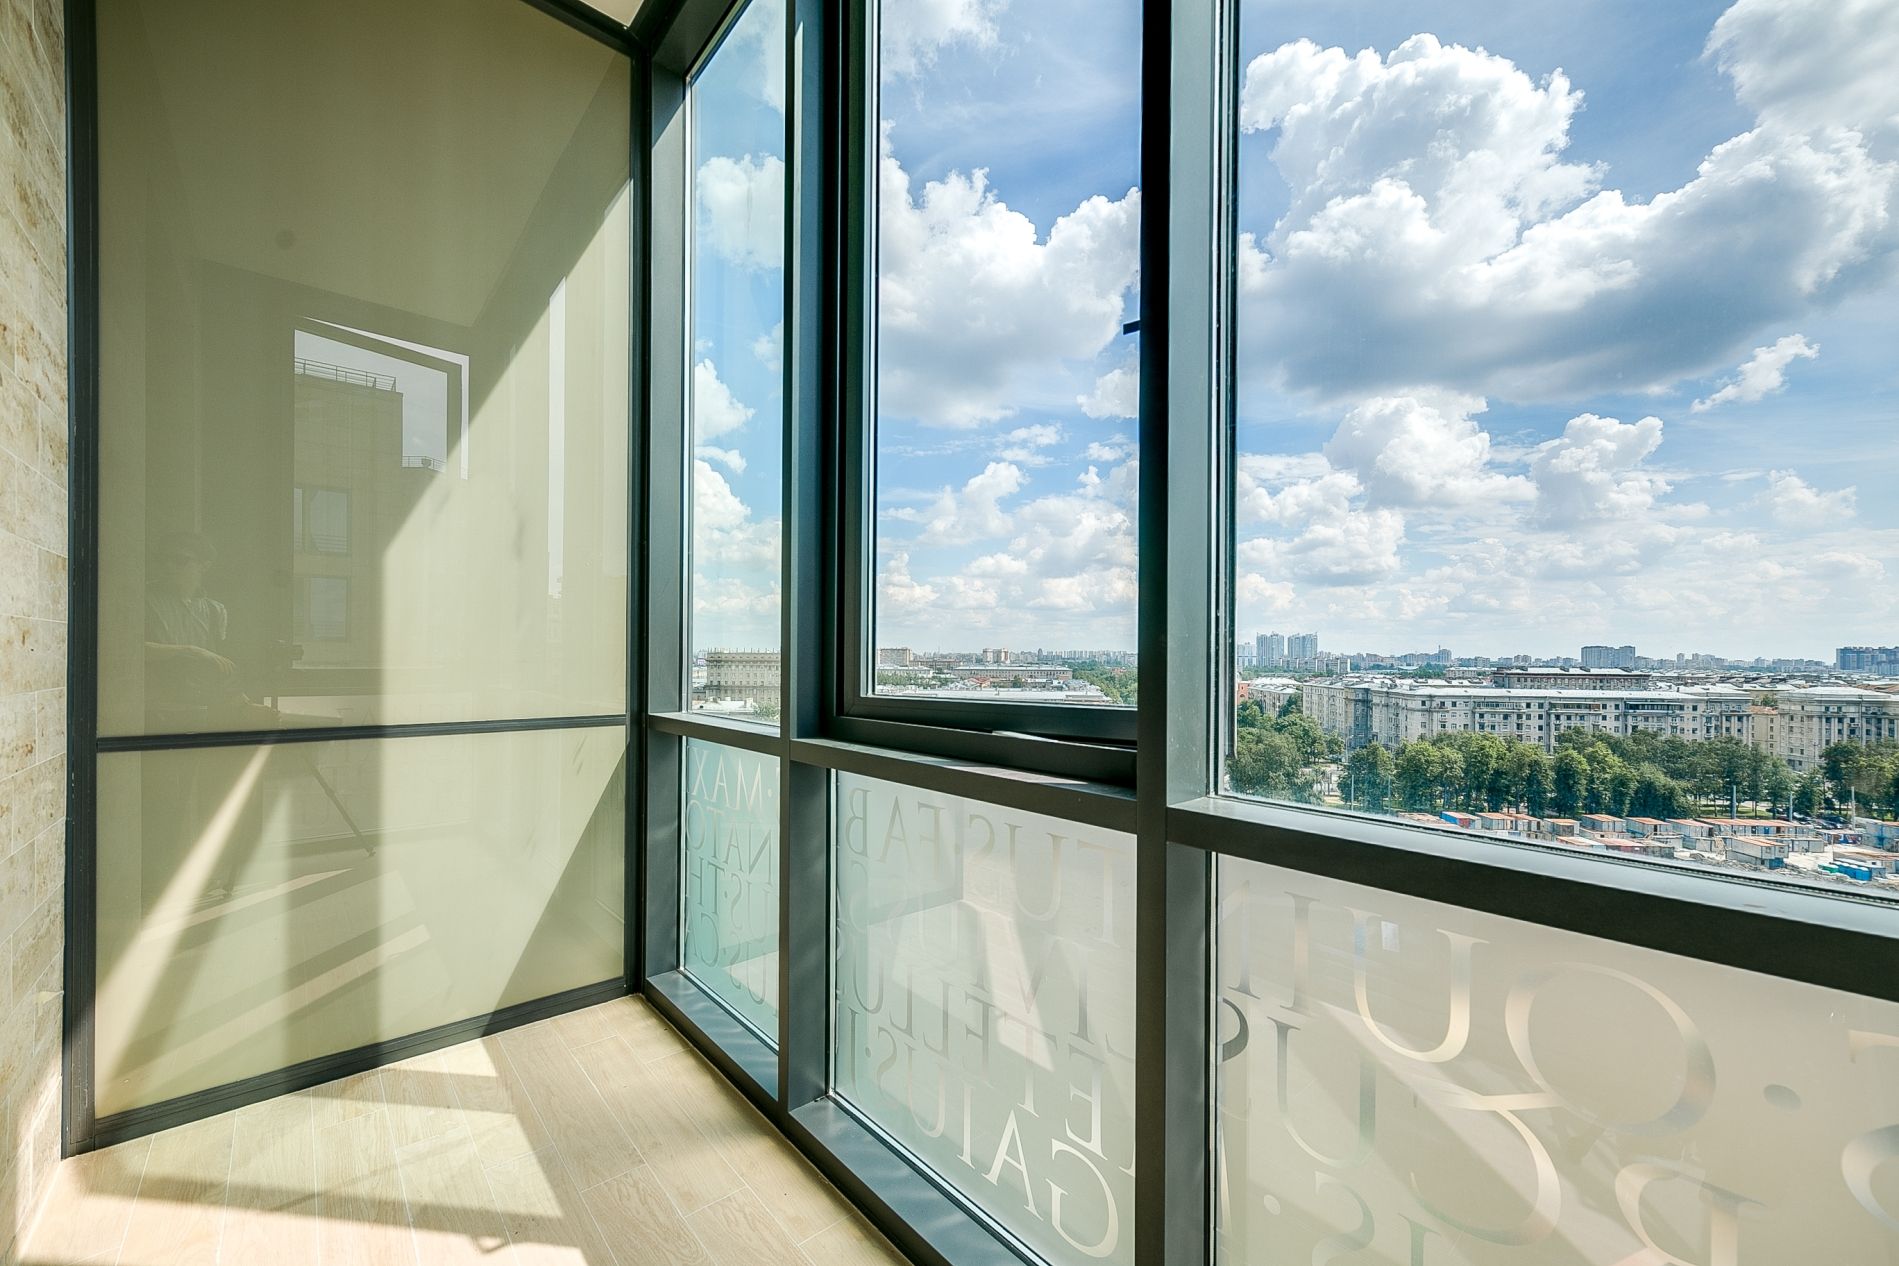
x,y
1563,390
984,1007
736,406
260,906
1405,1082
729,890
1006,379
363,391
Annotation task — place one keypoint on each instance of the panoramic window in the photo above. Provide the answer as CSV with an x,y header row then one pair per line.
x,y
1007,221
1564,404
736,408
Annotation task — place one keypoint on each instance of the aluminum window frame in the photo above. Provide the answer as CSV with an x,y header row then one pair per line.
x,y
1094,742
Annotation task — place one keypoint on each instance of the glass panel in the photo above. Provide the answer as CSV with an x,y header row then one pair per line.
x,y
1008,223
1406,1082
259,906
729,921
1564,407
364,365
737,403
985,1006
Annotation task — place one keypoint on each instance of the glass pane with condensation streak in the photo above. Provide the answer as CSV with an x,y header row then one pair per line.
x,y
1406,1082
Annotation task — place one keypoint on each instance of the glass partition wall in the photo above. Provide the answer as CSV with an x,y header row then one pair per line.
x,y
362,527
1117,487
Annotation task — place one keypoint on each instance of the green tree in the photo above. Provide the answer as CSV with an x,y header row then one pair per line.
x,y
1570,784
1266,763
1809,794
1428,776
1533,777
1777,785
1368,777
1657,795
1841,763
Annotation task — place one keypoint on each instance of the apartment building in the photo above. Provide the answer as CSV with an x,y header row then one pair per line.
x,y
1797,727
1391,712
1810,719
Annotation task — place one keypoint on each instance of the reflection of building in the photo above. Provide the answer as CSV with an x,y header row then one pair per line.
x,y
349,478
746,676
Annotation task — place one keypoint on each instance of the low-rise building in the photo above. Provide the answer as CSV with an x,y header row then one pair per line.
x,y
1756,850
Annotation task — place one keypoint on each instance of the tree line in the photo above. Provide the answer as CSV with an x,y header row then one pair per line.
x,y
1285,756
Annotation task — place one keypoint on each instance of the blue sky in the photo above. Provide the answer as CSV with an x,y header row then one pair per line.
x,y
737,295
1559,324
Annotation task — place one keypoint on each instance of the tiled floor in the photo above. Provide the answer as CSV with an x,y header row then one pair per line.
x,y
595,1139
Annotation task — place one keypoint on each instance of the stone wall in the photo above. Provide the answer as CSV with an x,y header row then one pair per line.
x,y
32,600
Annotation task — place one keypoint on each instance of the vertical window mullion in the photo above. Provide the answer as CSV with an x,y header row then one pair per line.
x,y
803,834
1184,301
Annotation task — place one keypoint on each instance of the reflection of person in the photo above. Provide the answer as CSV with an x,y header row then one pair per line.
x,y
191,683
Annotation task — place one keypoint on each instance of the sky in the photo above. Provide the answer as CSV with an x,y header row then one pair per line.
x,y
737,130
1557,325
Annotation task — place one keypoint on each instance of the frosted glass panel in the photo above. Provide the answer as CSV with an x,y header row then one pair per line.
x,y
985,1006
363,365
1409,1083
259,906
729,923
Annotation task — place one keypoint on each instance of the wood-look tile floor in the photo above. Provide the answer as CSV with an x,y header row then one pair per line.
x,y
598,1138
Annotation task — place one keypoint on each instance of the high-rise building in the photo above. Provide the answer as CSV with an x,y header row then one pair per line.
x,y
1608,657
1879,661
1269,650
1302,646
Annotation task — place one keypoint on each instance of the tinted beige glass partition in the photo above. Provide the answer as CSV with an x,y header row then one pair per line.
x,y
364,339
363,454
263,905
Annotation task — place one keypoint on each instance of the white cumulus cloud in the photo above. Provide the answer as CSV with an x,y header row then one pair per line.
x,y
972,512
974,305
1438,234
910,32
1764,373
1594,471
742,209
1807,67
1117,394
1798,504
1420,449
715,410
